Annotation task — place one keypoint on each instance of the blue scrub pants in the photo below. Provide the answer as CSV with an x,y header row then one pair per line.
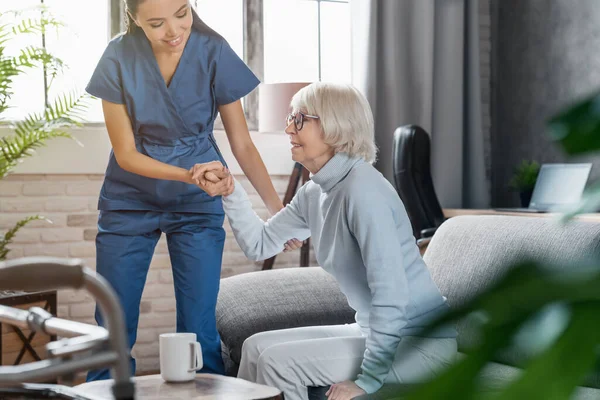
x,y
124,247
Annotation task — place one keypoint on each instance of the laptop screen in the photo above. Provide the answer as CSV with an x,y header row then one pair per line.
x,y
559,186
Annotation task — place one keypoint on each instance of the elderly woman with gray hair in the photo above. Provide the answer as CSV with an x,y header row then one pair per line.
x,y
362,236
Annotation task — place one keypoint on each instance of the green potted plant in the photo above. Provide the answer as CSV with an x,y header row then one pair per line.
x,y
55,117
527,289
523,180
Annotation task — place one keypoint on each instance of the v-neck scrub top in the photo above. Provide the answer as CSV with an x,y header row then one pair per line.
x,y
172,124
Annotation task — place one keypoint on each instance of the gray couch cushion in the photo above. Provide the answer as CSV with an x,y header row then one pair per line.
x,y
468,253
277,299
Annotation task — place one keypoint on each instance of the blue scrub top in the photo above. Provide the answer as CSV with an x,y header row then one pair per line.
x,y
171,124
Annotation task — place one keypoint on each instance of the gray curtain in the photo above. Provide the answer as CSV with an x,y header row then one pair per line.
x,y
417,61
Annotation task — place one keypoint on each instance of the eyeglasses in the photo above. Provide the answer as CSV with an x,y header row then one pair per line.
x,y
298,119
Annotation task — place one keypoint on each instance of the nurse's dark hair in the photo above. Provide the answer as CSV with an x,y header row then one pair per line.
x,y
131,7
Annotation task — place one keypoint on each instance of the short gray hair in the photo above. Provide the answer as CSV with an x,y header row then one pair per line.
x,y
345,116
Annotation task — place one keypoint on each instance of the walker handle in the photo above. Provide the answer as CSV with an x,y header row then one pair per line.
x,y
36,274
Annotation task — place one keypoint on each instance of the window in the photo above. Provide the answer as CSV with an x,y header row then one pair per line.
x,y
79,43
281,41
307,41
227,18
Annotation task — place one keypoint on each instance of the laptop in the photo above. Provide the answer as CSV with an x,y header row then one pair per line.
x,y
558,187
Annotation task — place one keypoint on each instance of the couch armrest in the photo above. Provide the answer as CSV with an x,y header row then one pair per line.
x,y
277,299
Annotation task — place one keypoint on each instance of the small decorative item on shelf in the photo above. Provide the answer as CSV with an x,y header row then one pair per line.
x,y
523,180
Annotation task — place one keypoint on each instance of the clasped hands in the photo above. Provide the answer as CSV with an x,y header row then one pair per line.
x,y
216,180
212,177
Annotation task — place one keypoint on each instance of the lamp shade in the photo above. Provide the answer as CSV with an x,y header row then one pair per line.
x,y
274,104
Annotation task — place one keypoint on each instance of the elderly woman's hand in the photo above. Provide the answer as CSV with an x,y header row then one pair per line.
x,y
346,390
213,178
292,245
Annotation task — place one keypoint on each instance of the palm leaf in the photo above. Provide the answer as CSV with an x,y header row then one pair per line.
x,y
35,25
14,149
10,234
36,129
507,305
555,374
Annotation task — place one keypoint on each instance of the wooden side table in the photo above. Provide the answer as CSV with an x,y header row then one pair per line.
x,y
204,387
19,346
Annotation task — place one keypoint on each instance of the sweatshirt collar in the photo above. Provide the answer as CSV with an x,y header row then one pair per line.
x,y
335,170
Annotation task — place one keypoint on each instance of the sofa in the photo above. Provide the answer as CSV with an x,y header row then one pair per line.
x,y
465,255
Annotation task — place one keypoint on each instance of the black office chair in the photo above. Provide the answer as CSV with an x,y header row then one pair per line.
x,y
412,176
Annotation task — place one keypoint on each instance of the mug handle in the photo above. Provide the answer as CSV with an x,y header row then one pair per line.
x,y
197,357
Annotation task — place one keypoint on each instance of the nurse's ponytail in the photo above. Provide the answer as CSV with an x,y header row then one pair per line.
x,y
131,9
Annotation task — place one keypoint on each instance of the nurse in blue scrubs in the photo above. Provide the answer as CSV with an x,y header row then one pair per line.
x,y
162,84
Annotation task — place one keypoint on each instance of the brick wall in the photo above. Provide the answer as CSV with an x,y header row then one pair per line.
x,y
69,201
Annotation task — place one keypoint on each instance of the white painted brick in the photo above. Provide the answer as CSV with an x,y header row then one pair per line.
x,y
231,245
82,249
84,220
44,188
164,329
160,261
62,311
156,320
88,320
25,235
235,258
90,263
10,189
68,296
67,204
146,350
166,276
23,204
84,188
147,365
82,310
62,235
93,204
8,221
66,177
146,336
231,271
153,276
90,234
96,177
50,221
53,250
15,252
164,305
25,177
161,246
158,290
145,307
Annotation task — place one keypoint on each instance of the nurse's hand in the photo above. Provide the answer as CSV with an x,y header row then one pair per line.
x,y
213,178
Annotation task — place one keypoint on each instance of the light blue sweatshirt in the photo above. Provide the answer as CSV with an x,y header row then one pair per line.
x,y
362,236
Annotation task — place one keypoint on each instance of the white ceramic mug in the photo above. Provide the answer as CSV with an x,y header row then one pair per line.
x,y
180,356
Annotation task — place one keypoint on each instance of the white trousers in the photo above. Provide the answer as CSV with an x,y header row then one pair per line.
x,y
293,359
